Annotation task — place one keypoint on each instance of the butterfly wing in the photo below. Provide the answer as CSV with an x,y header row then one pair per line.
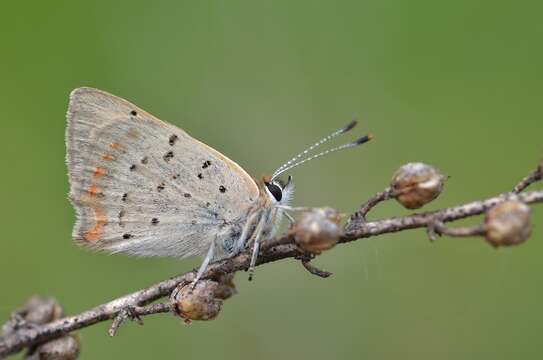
x,y
144,187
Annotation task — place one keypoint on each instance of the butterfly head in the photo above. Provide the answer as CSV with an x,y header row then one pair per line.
x,y
278,191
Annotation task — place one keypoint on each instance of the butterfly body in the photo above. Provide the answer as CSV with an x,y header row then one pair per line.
x,y
144,187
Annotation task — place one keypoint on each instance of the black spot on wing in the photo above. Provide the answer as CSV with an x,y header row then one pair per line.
x,y
222,189
133,113
168,156
173,139
154,221
206,164
160,187
127,236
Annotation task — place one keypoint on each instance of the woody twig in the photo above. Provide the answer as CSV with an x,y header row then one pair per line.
x,y
412,187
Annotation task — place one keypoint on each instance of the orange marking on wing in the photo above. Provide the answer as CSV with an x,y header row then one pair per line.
x,y
94,191
95,233
115,146
99,172
107,157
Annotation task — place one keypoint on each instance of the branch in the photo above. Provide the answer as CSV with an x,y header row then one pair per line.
x,y
135,305
535,176
371,203
438,228
366,229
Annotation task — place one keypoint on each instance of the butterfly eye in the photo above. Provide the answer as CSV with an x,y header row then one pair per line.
x,y
275,190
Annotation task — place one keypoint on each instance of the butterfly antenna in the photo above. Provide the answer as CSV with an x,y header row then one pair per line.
x,y
336,133
362,140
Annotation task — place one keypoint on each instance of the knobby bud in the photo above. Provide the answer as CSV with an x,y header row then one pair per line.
x,y
317,230
416,184
508,223
41,310
204,300
226,287
65,348
37,310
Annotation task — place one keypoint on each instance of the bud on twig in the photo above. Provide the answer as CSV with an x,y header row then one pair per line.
x,y
317,230
202,301
37,310
41,310
64,348
508,223
226,287
416,184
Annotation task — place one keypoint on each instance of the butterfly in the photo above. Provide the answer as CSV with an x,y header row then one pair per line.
x,y
143,187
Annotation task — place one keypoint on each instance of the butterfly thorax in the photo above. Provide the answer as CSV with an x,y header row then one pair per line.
x,y
262,219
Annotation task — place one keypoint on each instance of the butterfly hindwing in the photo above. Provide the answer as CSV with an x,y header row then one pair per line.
x,y
145,187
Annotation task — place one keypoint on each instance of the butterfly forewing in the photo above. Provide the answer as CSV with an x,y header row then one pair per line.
x,y
145,187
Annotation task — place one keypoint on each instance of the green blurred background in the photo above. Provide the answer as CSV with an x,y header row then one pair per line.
x,y
454,84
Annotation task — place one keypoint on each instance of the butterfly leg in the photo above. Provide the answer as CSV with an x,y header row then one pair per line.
x,y
294,208
256,248
205,263
242,240
289,218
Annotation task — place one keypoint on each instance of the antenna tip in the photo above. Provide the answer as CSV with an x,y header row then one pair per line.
x,y
349,126
363,139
